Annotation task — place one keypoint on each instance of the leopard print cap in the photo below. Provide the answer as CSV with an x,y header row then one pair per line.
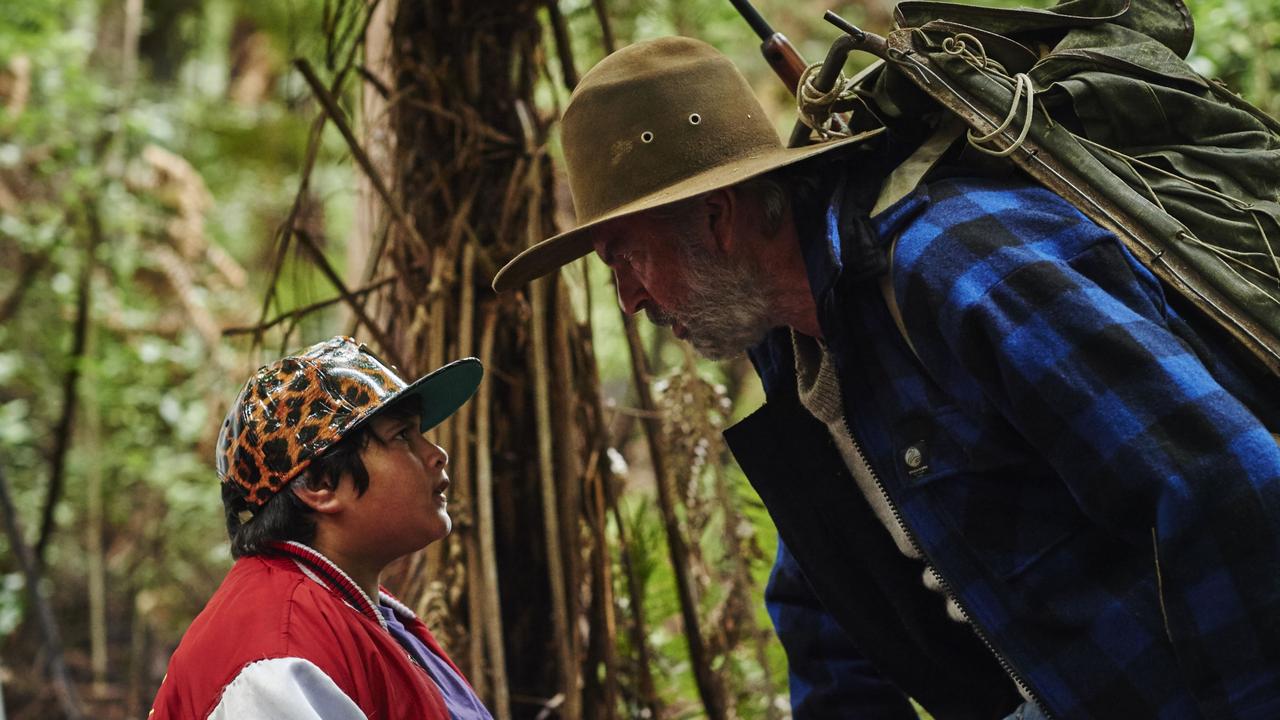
x,y
294,409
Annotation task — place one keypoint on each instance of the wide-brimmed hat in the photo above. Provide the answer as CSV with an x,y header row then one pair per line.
x,y
655,123
297,407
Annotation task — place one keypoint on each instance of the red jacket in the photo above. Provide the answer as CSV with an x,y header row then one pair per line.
x,y
276,632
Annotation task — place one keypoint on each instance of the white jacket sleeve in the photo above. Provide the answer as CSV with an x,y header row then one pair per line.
x,y
284,689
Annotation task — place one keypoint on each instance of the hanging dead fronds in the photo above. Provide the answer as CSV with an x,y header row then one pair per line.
x,y
723,545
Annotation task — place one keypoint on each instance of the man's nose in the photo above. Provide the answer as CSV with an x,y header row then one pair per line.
x,y
630,291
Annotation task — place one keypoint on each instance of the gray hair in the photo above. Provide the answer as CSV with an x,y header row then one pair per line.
x,y
765,189
776,192
773,199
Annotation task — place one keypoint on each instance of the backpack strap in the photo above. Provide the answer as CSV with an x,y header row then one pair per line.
x,y
900,183
903,179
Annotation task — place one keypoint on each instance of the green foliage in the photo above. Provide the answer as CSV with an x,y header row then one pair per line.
x,y
187,189
1238,41
29,26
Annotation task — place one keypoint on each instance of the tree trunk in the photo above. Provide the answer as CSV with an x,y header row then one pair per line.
x,y
472,171
375,131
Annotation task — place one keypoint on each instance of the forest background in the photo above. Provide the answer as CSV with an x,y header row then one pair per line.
x,y
188,188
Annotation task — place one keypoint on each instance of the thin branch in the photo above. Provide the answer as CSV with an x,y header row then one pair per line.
x,y
68,698
563,625
606,31
356,306
635,412
27,273
339,118
349,63
708,690
606,492
712,701
603,648
285,231
485,525
378,85
80,336
463,445
299,313
600,474
372,262
546,472
566,429
563,49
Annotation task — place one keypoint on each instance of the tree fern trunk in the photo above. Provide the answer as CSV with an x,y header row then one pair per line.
x,y
473,173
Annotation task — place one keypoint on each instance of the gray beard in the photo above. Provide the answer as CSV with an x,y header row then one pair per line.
x,y
727,311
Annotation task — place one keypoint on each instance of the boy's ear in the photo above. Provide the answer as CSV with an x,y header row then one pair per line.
x,y
322,500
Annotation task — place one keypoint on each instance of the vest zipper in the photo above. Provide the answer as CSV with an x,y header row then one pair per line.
x,y
1026,689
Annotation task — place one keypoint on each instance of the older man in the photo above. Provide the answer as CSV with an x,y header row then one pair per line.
x,y
1010,475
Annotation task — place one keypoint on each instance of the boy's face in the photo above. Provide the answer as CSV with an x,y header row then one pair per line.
x,y
405,507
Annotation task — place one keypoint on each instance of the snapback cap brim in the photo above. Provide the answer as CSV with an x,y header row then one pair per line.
x,y
439,393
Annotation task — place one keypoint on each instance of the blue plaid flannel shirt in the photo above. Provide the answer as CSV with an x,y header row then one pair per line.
x,y
1085,477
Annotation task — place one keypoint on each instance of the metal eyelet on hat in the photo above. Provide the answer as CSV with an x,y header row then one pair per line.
x,y
646,137
695,118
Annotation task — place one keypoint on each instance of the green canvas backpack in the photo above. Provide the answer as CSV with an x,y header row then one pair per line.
x,y
1093,99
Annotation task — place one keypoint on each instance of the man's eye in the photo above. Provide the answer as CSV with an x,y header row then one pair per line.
x,y
615,257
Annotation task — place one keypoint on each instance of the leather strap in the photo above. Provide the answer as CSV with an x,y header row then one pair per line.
x,y
900,183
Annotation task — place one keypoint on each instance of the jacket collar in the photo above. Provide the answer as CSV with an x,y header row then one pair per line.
x,y
837,237
818,229
322,570
894,219
838,242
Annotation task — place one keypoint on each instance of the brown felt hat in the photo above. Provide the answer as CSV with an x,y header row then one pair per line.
x,y
655,123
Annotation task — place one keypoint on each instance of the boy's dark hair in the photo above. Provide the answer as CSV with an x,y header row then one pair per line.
x,y
285,516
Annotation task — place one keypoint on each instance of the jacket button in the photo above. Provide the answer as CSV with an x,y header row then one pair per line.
x,y
916,458
913,457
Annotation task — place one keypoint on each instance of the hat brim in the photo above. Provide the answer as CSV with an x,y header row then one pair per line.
x,y
439,393
555,252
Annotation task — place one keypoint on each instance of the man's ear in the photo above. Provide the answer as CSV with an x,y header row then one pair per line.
x,y
720,216
323,500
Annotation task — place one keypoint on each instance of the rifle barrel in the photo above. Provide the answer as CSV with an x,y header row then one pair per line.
x,y
753,18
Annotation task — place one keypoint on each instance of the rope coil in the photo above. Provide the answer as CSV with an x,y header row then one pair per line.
x,y
958,44
1023,87
816,107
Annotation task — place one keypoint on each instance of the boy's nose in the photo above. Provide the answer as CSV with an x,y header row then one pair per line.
x,y
433,454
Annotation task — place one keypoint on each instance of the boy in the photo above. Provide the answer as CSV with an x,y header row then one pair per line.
x,y
326,480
